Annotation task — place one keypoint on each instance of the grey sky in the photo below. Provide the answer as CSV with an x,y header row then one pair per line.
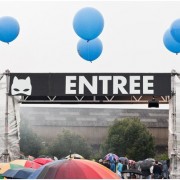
x,y
132,37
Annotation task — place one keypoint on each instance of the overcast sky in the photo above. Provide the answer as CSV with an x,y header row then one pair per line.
x,y
132,37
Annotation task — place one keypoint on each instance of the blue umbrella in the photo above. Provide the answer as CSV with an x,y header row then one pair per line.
x,y
21,173
36,173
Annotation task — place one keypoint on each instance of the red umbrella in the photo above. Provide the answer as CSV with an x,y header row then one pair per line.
x,y
73,169
31,164
43,161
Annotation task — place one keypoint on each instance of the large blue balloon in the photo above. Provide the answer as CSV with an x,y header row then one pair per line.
x,y
175,30
88,23
89,50
170,43
9,29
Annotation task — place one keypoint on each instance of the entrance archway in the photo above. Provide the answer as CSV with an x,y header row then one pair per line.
x,y
96,88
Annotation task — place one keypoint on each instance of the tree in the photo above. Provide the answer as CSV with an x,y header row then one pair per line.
x,y
30,143
67,143
131,138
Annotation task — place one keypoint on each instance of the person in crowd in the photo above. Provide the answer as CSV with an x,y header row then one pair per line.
x,y
132,164
165,169
125,165
113,165
119,168
157,171
133,176
146,173
106,163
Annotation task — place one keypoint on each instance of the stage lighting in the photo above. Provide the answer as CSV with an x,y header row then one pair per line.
x,y
153,103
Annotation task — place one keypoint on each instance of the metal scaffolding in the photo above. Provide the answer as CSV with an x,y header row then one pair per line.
x,y
173,128
11,137
92,99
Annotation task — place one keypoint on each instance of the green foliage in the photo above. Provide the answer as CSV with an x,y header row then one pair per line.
x,y
30,143
129,137
69,142
163,156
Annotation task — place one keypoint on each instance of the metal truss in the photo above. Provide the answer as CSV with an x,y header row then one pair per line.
x,y
92,99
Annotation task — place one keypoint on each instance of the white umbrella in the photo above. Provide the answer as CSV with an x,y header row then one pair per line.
x,y
74,156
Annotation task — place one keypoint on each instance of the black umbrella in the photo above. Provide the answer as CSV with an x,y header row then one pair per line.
x,y
137,164
22,173
134,171
146,164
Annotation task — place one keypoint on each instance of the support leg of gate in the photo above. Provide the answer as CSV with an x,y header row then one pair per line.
x,y
172,129
6,152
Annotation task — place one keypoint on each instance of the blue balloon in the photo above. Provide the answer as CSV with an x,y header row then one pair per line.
x,y
170,43
175,30
9,29
88,23
89,50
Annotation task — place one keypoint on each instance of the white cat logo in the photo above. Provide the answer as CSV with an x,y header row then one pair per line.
x,y
21,86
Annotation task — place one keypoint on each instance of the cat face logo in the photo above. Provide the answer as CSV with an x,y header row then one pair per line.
x,y
21,86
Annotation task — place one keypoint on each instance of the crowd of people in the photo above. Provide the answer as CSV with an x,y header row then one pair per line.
x,y
129,169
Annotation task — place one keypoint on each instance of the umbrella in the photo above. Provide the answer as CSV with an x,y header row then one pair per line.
x,y
134,171
22,173
1,166
137,164
73,169
9,166
146,164
151,159
124,159
20,163
26,163
75,156
132,161
111,157
42,161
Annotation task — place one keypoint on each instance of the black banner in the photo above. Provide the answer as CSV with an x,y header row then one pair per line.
x,y
90,84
